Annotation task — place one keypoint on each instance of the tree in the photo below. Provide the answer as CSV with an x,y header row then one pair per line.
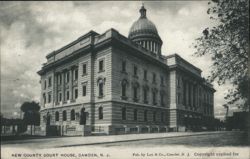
x,y
228,45
31,113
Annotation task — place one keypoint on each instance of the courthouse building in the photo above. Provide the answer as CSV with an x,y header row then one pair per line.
x,y
116,84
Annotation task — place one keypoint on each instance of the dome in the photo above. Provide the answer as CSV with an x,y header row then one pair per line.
x,y
145,33
141,27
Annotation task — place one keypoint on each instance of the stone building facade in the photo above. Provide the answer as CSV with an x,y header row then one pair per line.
x,y
114,85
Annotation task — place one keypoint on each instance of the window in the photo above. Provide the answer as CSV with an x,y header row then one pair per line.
x,y
50,82
59,79
75,74
124,87
123,66
154,97
145,74
45,84
162,117
135,93
67,77
64,115
84,90
123,113
154,78
145,95
178,98
184,93
60,97
124,90
135,71
162,80
57,116
101,65
178,81
44,98
145,115
162,98
84,69
100,110
76,93
72,114
49,97
135,114
100,89
67,95
154,116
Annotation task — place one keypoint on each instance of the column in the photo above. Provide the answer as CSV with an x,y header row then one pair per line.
x,y
71,84
191,96
55,94
63,85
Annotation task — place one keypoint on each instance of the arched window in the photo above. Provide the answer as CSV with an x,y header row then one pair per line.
x,y
57,116
145,115
72,115
135,114
64,115
100,113
124,113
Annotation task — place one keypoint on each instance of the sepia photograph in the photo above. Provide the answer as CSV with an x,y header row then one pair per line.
x,y
125,79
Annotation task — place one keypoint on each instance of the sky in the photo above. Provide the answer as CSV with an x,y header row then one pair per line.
x,y
31,30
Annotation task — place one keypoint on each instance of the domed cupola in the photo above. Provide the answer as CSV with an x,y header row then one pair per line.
x,y
144,32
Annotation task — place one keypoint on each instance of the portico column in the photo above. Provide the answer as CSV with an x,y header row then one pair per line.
x,y
55,98
71,83
63,85
191,96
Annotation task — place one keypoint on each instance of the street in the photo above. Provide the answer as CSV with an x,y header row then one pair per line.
x,y
196,139
215,140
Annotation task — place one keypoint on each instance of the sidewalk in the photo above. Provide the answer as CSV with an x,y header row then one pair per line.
x,y
95,140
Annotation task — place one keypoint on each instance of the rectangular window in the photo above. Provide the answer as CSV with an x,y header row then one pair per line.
x,y
162,117
101,65
162,80
162,99
84,90
59,79
45,84
100,89
145,115
76,93
154,98
124,113
135,71
145,95
145,74
178,81
123,66
154,116
67,77
60,97
50,81
75,74
44,98
49,97
84,69
135,92
135,115
154,77
67,95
